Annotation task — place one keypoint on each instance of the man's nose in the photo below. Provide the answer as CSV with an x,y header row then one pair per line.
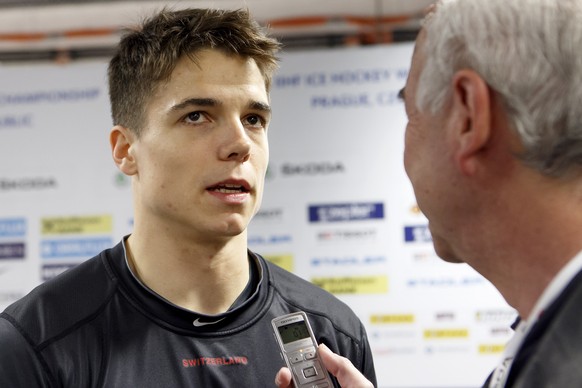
x,y
236,144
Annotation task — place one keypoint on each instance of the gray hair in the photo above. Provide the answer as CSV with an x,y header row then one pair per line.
x,y
530,53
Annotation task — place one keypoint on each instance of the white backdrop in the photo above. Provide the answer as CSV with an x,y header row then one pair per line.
x,y
338,208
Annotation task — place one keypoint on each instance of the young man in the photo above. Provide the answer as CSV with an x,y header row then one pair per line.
x,y
493,149
181,301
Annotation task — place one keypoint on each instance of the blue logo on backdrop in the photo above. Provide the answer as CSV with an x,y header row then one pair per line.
x,y
346,212
417,233
50,249
269,240
49,96
347,261
52,270
444,282
16,121
12,251
12,227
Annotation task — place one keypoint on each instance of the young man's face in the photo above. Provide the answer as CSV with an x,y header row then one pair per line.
x,y
202,157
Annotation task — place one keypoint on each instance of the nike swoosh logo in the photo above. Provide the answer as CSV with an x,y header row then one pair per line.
x,y
197,322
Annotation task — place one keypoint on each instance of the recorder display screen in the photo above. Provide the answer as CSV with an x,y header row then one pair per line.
x,y
293,332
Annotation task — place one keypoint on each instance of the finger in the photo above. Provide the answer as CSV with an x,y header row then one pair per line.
x,y
344,371
283,378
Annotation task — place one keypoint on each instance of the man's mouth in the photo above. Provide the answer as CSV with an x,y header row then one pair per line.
x,y
229,189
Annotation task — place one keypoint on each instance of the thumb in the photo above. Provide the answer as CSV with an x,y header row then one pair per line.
x,y
283,378
344,371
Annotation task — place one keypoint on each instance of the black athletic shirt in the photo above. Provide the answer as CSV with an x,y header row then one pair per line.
x,y
96,325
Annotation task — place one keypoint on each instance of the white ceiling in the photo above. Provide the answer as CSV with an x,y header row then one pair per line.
x,y
34,25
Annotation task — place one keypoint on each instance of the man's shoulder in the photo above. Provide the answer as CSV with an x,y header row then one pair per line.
x,y
558,351
288,281
566,320
66,300
309,297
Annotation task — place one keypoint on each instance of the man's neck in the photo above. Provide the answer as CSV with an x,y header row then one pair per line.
x,y
537,242
206,279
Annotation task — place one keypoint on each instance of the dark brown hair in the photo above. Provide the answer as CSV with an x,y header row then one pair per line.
x,y
147,56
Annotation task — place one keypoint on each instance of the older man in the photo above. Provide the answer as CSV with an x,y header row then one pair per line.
x,y
494,153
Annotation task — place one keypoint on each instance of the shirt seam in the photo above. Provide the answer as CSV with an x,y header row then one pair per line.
x,y
37,349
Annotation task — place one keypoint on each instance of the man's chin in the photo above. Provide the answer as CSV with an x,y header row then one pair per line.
x,y
445,252
452,260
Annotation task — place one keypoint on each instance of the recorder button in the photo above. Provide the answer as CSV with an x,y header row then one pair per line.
x,y
309,372
295,357
310,355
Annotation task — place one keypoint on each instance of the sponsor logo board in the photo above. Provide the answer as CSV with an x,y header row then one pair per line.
x,y
345,212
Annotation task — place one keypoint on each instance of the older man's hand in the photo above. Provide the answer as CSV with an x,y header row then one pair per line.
x,y
344,371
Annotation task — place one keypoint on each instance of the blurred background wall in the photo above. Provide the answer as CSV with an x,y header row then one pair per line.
x,y
338,208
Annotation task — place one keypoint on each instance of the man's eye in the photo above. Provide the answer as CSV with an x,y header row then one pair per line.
x,y
254,120
194,117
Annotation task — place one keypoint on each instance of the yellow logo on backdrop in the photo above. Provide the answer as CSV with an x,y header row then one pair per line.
x,y
283,261
446,333
414,209
392,319
354,284
77,225
491,348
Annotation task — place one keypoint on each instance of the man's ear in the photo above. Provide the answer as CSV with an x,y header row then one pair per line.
x,y
472,108
121,140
